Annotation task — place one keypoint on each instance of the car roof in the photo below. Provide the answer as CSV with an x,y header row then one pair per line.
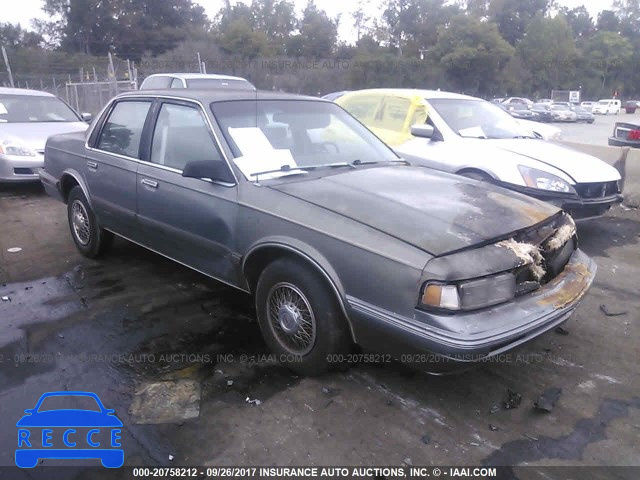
x,y
192,76
208,96
24,91
415,92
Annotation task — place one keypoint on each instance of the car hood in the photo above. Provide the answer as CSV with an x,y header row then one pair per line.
x,y
579,166
69,418
34,135
433,211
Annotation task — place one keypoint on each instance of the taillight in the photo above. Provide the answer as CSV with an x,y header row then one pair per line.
x,y
633,135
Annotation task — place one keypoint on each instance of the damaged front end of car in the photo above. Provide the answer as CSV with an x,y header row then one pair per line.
x,y
479,302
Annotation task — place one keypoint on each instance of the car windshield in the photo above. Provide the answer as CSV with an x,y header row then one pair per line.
x,y
34,109
219,83
603,102
478,119
69,402
295,136
559,107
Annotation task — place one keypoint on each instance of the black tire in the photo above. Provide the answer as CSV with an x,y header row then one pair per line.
x,y
90,239
324,333
483,177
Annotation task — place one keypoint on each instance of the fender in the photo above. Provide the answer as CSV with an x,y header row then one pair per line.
x,y
310,254
79,179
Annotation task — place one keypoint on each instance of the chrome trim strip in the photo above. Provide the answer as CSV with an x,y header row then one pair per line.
x,y
181,263
153,97
313,262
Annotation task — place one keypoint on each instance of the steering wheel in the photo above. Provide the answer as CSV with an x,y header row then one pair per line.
x,y
325,147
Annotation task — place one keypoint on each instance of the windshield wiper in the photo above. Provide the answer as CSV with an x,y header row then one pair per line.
x,y
371,162
284,168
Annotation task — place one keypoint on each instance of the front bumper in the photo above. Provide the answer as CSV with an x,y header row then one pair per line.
x,y
15,169
578,207
427,339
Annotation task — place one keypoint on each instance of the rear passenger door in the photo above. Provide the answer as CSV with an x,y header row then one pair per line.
x,y
110,169
188,219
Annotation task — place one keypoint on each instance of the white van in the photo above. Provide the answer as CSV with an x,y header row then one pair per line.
x,y
607,105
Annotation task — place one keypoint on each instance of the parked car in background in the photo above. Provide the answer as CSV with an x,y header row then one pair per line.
x,y
497,100
582,115
547,101
517,101
630,106
606,106
562,113
320,225
519,111
625,134
543,112
472,137
27,119
588,106
160,81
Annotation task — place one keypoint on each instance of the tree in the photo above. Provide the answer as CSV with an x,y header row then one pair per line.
x,y
609,54
513,16
608,21
580,21
549,52
318,34
13,36
276,19
472,53
131,27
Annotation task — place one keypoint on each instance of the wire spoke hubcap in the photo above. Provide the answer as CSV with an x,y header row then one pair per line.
x,y
80,223
291,318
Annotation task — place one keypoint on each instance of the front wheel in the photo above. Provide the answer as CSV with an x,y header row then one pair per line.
x,y
300,318
90,239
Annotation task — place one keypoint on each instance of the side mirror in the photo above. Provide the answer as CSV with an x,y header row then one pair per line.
x,y
86,117
217,170
422,130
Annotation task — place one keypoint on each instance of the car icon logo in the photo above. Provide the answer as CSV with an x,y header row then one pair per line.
x,y
69,433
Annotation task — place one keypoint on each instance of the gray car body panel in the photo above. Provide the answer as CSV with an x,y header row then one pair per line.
x,y
371,231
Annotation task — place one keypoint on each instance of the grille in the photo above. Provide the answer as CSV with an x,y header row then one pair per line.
x,y
597,190
23,171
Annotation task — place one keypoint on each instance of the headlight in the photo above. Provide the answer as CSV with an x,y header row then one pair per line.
x,y
541,180
470,294
11,148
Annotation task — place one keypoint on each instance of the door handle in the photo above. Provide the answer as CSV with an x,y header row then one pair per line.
x,y
149,183
92,165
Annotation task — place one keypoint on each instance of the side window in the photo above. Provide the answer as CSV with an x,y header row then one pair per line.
x,y
362,107
394,113
182,136
122,131
156,82
177,83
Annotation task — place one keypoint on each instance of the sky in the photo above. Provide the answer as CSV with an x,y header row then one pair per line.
x,y
23,11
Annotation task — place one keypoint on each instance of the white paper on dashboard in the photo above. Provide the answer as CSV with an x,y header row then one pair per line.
x,y
474,132
250,140
273,159
3,109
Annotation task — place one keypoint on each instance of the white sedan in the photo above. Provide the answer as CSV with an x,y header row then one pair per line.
x,y
472,137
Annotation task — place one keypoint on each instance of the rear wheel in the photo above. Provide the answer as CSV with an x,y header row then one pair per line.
x,y
300,318
89,237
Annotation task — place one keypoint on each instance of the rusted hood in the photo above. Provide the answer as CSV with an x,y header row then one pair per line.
x,y
434,211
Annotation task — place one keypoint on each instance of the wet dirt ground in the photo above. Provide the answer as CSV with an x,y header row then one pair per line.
x,y
180,359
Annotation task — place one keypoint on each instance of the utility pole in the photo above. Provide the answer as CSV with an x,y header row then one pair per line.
x,y
6,62
199,62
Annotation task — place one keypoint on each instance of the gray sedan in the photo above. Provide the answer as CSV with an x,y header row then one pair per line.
x,y
27,119
339,241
